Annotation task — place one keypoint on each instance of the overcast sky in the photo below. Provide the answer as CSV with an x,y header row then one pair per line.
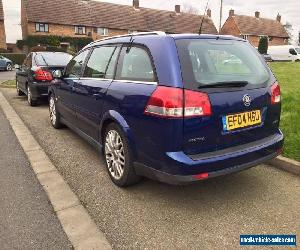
x,y
289,9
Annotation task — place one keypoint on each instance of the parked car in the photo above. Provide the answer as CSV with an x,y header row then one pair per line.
x,y
267,57
6,64
284,53
35,74
165,115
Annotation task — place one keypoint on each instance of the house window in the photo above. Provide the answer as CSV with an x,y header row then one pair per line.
x,y
79,30
102,31
245,37
41,27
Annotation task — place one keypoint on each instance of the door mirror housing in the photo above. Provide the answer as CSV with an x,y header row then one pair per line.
x,y
57,73
293,52
17,66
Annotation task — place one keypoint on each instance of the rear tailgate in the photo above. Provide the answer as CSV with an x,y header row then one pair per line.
x,y
232,122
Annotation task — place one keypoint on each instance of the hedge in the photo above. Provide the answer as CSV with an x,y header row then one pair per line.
x,y
16,58
54,41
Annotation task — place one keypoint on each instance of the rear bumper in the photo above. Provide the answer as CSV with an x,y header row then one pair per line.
x,y
180,168
39,89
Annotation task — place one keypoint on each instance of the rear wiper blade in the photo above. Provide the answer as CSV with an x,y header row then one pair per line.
x,y
224,84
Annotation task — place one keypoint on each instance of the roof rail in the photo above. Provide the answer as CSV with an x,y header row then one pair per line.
x,y
159,33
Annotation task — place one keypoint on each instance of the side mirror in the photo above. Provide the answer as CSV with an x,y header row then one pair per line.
x,y
293,52
57,73
17,66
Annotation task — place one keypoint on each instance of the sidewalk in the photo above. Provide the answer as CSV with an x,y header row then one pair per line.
x,y
27,220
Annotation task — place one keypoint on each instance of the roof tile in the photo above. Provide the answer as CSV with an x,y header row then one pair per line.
x,y
109,15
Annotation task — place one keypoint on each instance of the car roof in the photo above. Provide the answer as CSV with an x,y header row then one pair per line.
x,y
151,36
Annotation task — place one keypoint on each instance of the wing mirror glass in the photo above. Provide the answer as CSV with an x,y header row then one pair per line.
x,y
57,73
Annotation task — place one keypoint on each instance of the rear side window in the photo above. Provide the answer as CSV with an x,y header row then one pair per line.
x,y
101,63
52,59
135,65
205,62
75,66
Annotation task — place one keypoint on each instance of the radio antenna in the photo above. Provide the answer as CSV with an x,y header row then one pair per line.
x,y
200,30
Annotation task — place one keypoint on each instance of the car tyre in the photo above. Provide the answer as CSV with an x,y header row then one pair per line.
x,y
31,102
9,67
118,157
19,92
54,114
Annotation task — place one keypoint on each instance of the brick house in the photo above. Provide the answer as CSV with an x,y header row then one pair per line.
x,y
252,28
86,18
2,28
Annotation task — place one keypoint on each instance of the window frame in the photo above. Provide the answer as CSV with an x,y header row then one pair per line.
x,y
120,61
104,33
83,64
78,27
38,25
117,46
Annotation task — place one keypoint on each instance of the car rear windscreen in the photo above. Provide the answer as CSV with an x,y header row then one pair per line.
x,y
205,62
52,59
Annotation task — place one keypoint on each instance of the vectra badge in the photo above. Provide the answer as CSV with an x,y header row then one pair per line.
x,y
247,100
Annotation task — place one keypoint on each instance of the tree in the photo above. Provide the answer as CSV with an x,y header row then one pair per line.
x,y
263,45
289,29
187,8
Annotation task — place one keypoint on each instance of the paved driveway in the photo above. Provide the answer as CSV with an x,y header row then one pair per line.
x,y
151,215
7,75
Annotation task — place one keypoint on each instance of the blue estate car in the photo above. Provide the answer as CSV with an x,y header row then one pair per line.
x,y
168,108
6,64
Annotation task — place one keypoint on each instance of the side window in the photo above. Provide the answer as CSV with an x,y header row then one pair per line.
x,y
135,65
101,62
75,66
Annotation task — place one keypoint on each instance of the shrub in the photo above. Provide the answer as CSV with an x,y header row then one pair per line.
x,y
15,57
54,41
263,45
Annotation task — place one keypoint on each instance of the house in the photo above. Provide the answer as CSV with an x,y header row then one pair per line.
x,y
87,18
2,28
252,28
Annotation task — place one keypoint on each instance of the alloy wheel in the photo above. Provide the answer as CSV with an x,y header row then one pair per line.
x,y
114,154
9,67
52,110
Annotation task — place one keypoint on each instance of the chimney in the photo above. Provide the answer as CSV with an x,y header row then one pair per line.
x,y
231,12
257,13
208,12
278,18
177,9
136,4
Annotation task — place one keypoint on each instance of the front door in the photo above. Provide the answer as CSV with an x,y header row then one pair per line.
x,y
92,87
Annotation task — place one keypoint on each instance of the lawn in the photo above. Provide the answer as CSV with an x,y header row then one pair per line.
x,y
288,75
8,84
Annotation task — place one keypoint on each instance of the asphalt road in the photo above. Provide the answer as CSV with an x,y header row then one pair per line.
x,y
152,215
7,75
27,220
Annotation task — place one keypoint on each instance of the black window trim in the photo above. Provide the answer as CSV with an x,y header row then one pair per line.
x,y
38,23
120,62
116,45
76,29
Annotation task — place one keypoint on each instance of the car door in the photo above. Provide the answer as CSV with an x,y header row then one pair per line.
x,y
2,62
23,71
92,87
65,88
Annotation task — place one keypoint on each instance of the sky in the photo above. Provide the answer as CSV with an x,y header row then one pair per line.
x,y
288,9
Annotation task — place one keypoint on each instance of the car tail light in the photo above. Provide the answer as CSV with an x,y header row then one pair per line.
x,y
196,104
275,93
178,103
42,75
201,176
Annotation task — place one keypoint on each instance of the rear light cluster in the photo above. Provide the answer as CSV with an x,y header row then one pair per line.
x,y
42,75
275,93
172,102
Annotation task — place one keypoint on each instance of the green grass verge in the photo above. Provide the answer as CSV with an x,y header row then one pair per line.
x,y
288,75
8,84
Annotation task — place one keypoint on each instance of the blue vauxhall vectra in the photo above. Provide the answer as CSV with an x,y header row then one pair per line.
x,y
175,108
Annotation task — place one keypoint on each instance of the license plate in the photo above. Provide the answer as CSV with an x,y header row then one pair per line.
x,y
241,120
